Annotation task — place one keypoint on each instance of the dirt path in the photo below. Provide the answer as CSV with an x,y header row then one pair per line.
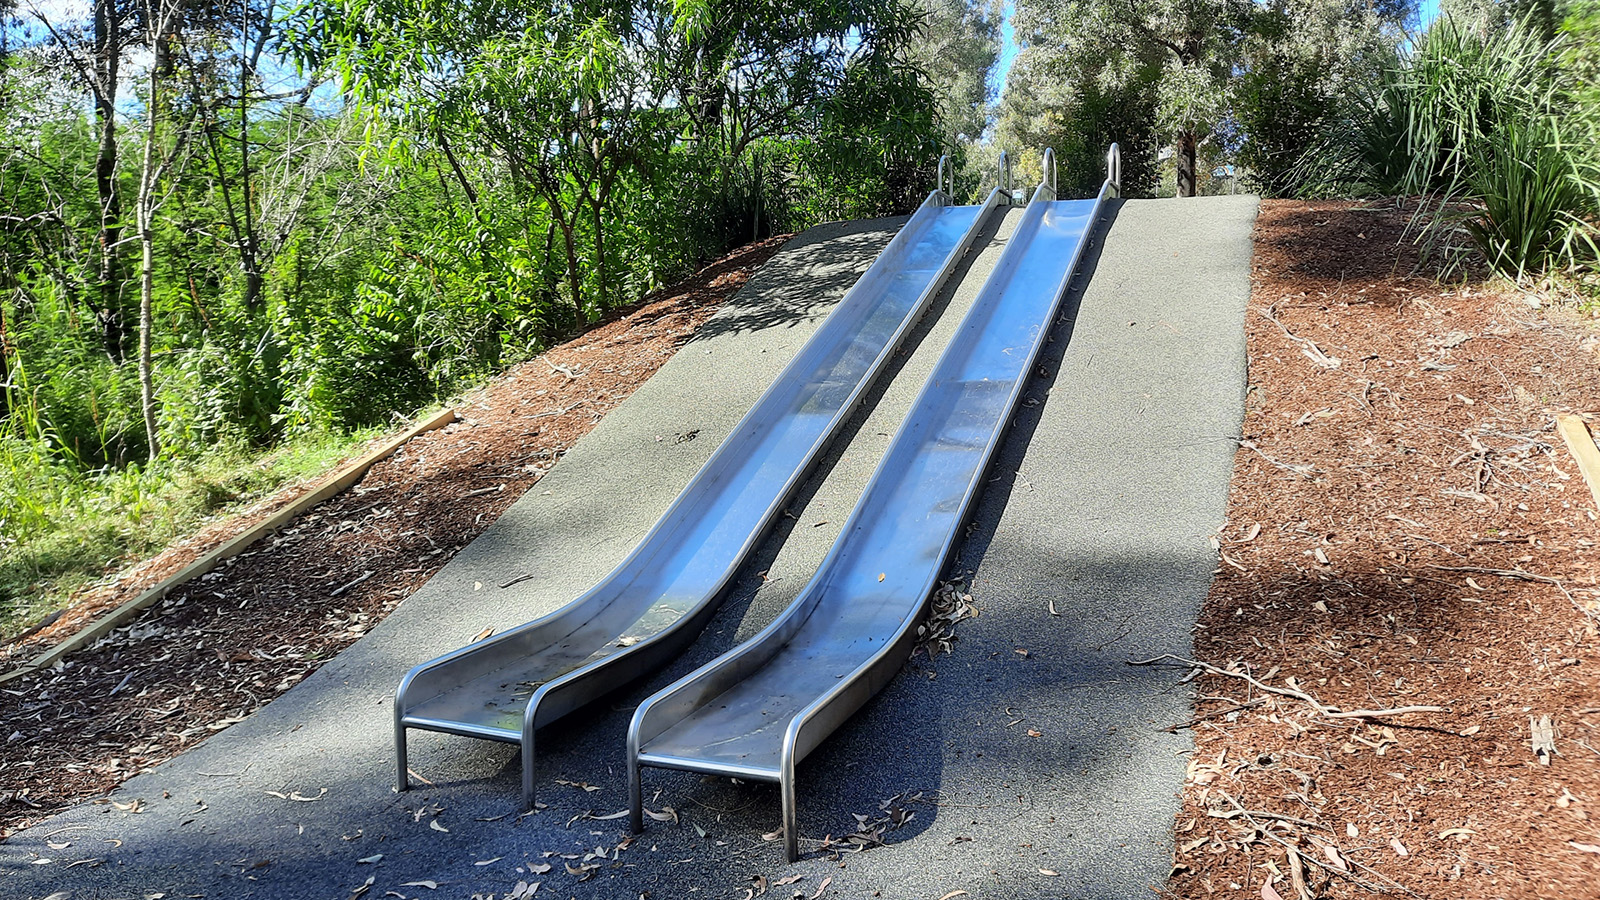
x,y
1405,529
222,646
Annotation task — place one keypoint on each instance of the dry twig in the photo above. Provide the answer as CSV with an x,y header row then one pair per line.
x,y
1332,712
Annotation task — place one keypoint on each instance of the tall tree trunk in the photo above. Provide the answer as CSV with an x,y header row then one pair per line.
x,y
150,171
1188,144
147,381
574,277
600,254
107,57
5,365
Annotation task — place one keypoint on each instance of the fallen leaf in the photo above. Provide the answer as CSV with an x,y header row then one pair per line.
x,y
1052,605
356,892
667,814
790,880
579,784
822,887
955,894
1333,856
1051,872
1399,848
1459,834
1267,892
430,885
54,845
607,818
1350,829
698,830
434,824
370,859
1035,733
1586,848
1471,730
541,868
485,862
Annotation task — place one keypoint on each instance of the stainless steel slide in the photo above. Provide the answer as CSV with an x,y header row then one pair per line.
x,y
660,597
756,711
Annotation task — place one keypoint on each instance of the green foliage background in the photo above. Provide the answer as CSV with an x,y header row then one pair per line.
x,y
371,204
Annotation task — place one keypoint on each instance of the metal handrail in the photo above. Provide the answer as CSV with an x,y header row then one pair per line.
x,y
1048,166
946,169
1114,169
1003,177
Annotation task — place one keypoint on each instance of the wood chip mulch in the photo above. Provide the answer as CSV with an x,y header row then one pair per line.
x,y
1405,529
223,645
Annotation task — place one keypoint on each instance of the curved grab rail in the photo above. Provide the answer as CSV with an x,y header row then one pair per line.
x,y
947,177
1114,169
1048,176
1002,177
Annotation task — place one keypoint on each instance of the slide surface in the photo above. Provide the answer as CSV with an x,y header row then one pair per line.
x,y
641,615
759,709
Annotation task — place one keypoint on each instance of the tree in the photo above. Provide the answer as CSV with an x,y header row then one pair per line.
x,y
166,135
956,48
1251,78
1299,63
1189,42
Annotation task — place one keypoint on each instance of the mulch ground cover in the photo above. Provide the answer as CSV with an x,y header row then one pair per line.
x,y
1407,605
1407,588
221,646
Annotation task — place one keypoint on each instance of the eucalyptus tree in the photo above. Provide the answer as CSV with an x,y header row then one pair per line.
x,y
1299,65
88,47
571,102
956,48
1253,79
1189,42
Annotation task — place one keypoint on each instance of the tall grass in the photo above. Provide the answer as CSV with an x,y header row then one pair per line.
x,y
62,527
1531,199
1488,128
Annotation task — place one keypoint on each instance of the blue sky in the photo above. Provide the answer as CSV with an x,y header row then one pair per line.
x,y
1429,10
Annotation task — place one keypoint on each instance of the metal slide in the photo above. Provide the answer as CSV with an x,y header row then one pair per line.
x,y
759,709
661,596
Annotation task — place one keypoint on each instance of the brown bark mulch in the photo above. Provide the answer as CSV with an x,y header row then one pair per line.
x,y
1405,529
223,645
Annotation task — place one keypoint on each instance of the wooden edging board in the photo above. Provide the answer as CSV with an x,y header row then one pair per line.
x,y
333,485
1583,448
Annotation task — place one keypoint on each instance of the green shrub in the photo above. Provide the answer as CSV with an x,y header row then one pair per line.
x,y
1532,199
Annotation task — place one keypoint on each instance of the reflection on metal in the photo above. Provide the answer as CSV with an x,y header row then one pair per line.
x,y
1113,172
655,602
759,709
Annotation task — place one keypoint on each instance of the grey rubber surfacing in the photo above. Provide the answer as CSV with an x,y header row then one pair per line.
x,y
1102,501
